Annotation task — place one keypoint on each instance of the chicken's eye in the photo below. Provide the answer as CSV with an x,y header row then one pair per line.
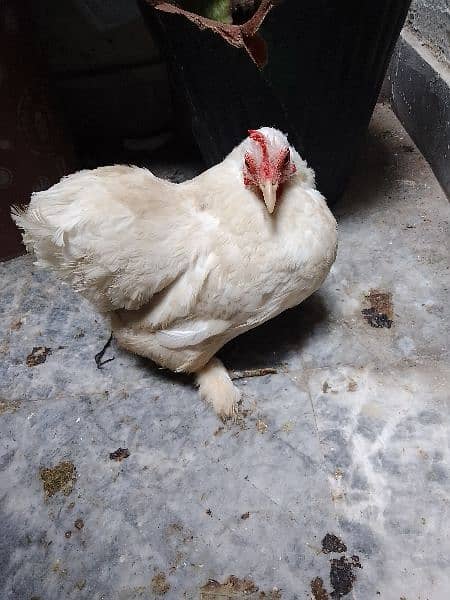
x,y
286,158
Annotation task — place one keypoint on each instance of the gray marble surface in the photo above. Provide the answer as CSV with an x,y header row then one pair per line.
x,y
350,437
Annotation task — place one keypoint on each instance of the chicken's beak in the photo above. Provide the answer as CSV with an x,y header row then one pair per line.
x,y
269,191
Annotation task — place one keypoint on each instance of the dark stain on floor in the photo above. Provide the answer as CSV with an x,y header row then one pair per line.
x,y
342,576
119,454
38,356
160,585
380,311
8,405
60,478
331,543
317,589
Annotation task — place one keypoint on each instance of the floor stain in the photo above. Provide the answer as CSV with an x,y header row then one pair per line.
x,y
16,325
352,386
38,356
57,568
287,427
79,524
8,405
317,589
119,454
236,589
60,478
380,311
160,585
342,576
261,426
331,543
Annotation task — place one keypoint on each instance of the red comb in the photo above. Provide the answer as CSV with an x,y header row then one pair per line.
x,y
259,138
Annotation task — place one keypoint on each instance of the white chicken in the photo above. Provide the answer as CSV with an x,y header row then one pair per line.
x,y
181,269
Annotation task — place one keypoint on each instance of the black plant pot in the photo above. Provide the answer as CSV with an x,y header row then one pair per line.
x,y
326,61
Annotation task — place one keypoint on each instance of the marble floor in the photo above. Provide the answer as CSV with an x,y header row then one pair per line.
x,y
120,484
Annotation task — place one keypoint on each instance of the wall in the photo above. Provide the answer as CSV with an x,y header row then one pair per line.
x,y
418,82
429,19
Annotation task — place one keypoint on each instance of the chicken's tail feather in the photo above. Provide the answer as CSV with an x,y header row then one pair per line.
x,y
217,389
39,237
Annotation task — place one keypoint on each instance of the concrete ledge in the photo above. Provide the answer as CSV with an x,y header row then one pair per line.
x,y
419,86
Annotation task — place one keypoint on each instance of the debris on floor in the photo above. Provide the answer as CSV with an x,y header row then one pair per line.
x,y
8,405
119,454
342,575
160,585
317,589
60,478
38,356
331,543
236,589
380,312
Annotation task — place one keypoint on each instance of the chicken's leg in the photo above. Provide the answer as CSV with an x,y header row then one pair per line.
x,y
216,387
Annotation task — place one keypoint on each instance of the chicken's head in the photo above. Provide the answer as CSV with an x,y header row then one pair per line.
x,y
267,163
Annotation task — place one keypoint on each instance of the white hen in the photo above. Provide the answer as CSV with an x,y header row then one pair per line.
x,y
181,269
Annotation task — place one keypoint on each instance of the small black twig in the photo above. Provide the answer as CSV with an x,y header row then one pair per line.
x,y
98,357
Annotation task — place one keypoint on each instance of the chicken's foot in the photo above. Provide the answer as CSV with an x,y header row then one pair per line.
x,y
216,387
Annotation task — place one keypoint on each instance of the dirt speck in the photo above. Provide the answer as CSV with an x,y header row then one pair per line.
x,y
119,454
352,386
331,543
60,478
57,568
288,427
80,584
68,534
236,589
245,516
317,589
209,512
160,585
325,387
233,587
8,405
261,426
380,311
79,524
274,594
16,325
38,356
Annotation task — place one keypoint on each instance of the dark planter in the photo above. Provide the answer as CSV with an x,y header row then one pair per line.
x,y
326,61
